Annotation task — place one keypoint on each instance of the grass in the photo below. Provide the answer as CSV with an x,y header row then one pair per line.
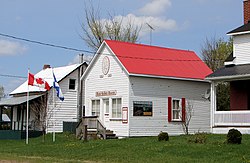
x,y
145,149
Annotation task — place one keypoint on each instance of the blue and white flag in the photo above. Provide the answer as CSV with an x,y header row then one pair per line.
x,y
58,89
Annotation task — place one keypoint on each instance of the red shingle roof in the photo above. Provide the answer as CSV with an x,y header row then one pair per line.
x,y
158,61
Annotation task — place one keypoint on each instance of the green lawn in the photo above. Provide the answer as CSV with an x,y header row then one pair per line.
x,y
146,149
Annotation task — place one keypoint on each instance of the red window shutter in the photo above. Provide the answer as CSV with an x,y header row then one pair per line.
x,y
183,110
169,109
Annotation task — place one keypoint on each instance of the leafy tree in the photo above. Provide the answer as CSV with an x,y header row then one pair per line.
x,y
223,96
95,29
215,52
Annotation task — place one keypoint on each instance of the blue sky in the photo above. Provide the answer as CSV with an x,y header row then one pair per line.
x,y
181,24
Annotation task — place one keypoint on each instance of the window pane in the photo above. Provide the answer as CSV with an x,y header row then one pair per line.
x,y
113,108
119,108
106,105
176,114
93,107
176,110
72,84
96,107
116,108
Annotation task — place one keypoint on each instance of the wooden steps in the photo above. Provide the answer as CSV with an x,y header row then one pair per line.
x,y
90,127
110,135
93,135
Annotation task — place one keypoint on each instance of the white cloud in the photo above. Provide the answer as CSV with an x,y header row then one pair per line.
x,y
11,48
151,13
155,7
160,24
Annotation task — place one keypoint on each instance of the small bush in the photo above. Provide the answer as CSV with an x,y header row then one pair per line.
x,y
199,137
163,136
234,136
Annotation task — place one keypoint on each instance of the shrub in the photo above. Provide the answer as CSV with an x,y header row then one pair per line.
x,y
234,136
199,137
163,136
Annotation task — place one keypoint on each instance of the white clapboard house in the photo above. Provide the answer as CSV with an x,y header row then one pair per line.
x,y
236,72
141,90
56,111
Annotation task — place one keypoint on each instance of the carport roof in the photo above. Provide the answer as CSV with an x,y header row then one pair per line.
x,y
17,100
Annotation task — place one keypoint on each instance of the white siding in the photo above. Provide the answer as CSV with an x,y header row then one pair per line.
x,y
116,79
66,110
242,49
145,89
157,91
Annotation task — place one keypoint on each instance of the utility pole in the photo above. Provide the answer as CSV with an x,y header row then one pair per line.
x,y
80,87
151,29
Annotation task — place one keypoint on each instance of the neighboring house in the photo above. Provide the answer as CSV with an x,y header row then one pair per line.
x,y
69,110
141,90
237,73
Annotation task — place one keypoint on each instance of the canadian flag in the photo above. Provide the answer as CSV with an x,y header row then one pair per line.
x,y
39,82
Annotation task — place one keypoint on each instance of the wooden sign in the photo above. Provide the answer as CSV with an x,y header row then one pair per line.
x,y
106,93
125,115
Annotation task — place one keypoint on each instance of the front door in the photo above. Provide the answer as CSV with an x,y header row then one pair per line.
x,y
106,112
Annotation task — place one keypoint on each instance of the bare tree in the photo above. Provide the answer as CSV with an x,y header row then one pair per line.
x,y
189,111
42,112
39,108
95,29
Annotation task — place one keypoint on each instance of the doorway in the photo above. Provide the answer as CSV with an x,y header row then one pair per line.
x,y
105,116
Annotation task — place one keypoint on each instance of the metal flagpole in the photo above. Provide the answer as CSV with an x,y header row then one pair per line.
x,y
54,134
27,112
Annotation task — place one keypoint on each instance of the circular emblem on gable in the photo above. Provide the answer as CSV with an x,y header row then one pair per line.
x,y
105,65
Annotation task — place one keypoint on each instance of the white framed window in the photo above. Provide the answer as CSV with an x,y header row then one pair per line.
x,y
95,107
116,108
176,109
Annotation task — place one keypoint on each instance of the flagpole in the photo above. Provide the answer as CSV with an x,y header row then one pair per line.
x,y
54,133
60,95
27,113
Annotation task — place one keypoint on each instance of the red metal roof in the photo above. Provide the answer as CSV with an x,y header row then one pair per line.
x,y
158,61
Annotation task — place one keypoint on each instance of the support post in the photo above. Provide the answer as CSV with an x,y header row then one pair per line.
x,y
1,118
85,138
1,112
53,113
11,119
212,104
27,119
27,112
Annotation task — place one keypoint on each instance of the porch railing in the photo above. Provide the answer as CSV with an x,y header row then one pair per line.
x,y
232,118
94,124
5,125
16,125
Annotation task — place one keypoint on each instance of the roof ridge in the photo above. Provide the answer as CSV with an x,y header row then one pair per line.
x,y
67,65
144,45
